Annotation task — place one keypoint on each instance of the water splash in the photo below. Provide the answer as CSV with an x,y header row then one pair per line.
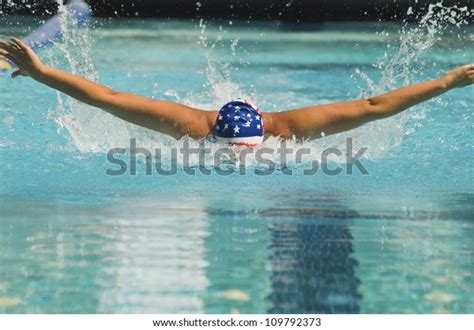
x,y
91,130
401,65
219,88
94,131
84,124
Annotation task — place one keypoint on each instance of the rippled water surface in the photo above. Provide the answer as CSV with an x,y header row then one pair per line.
x,y
396,240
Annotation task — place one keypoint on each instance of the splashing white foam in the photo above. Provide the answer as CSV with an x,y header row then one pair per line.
x,y
400,65
92,130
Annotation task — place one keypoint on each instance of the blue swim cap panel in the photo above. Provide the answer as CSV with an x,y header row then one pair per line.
x,y
239,119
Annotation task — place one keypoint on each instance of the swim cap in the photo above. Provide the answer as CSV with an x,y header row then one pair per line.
x,y
239,122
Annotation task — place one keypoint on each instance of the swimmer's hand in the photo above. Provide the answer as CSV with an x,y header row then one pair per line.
x,y
460,77
25,59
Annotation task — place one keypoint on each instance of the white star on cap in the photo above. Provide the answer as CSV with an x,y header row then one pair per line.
x,y
220,117
258,126
236,117
236,129
258,117
247,124
226,126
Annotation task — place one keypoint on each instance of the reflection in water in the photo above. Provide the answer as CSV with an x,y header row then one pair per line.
x,y
122,259
158,263
237,254
135,258
313,270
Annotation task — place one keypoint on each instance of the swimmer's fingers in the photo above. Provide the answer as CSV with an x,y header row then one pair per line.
x,y
13,56
470,73
20,44
7,55
461,77
10,48
17,61
471,76
24,49
14,46
22,56
25,53
17,49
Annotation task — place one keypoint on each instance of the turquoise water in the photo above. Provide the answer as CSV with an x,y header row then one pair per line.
x,y
396,240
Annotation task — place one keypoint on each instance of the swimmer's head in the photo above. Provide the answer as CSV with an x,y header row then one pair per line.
x,y
239,123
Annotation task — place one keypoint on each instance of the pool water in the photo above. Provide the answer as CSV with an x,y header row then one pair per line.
x,y
396,240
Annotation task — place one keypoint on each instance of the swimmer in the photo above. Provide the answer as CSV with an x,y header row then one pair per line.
x,y
239,122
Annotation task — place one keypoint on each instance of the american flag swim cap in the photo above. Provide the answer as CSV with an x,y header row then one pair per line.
x,y
239,122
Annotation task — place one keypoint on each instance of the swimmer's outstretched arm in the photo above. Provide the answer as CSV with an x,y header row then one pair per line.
x,y
313,122
170,118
